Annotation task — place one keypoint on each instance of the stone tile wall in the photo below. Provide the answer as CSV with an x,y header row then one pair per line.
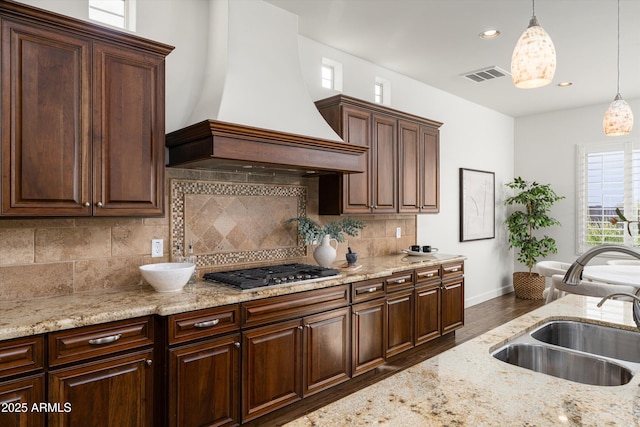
x,y
60,256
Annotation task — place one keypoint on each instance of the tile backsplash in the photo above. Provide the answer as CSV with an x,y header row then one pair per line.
x,y
60,256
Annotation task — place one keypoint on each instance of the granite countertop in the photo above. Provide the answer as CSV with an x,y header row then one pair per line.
x,y
467,386
36,316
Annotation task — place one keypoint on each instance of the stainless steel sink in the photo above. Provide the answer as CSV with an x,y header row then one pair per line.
x,y
576,351
565,364
595,339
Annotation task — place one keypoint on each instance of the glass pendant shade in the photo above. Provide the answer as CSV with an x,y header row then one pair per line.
x,y
618,119
533,62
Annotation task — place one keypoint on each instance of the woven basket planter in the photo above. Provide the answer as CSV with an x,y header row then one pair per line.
x,y
528,286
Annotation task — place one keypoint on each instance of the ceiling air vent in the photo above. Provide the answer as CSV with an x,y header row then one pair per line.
x,y
484,74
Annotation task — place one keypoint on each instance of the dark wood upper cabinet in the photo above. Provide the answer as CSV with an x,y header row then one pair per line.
x,y
82,118
419,168
401,168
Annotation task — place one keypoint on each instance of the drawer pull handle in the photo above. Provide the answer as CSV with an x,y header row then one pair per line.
x,y
430,274
237,344
207,324
453,270
400,281
372,290
300,328
105,340
149,362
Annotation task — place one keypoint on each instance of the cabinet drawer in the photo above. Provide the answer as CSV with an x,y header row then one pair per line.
x,y
21,355
203,323
294,305
452,270
367,289
428,274
98,340
399,281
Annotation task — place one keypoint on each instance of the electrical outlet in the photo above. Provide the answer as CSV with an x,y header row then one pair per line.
x,y
157,248
398,232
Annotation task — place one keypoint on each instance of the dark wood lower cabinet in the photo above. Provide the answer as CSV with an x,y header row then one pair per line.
x,y
271,368
427,321
368,326
17,398
204,382
399,314
326,343
107,393
452,305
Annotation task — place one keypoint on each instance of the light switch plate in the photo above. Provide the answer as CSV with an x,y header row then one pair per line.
x,y
157,248
398,232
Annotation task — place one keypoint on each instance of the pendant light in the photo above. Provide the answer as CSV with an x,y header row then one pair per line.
x,y
618,119
533,62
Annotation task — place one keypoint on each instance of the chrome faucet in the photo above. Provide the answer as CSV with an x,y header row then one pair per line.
x,y
636,304
574,274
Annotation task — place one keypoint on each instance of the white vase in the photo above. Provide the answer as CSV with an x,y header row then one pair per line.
x,y
324,253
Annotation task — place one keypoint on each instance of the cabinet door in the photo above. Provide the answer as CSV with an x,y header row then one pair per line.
x,y
409,165
203,383
327,344
399,313
427,312
357,194
430,159
17,399
117,392
128,136
452,305
384,164
271,368
45,122
368,330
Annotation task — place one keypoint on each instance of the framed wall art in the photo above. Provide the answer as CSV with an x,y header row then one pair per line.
x,y
477,205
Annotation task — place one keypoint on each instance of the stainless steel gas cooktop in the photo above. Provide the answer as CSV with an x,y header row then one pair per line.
x,y
252,279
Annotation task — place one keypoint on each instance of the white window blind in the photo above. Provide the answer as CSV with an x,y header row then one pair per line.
x,y
608,177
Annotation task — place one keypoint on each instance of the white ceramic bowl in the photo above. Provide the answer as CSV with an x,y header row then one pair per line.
x,y
167,276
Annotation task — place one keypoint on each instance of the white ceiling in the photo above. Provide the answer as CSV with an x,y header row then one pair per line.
x,y
435,41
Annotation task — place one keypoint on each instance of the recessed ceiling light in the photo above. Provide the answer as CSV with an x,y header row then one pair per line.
x,y
489,34
565,84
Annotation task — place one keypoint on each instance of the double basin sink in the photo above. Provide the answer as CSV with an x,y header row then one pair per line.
x,y
576,351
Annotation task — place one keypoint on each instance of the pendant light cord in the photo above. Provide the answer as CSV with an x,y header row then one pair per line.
x,y
618,64
534,7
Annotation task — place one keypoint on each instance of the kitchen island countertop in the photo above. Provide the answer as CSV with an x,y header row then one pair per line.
x,y
466,386
41,315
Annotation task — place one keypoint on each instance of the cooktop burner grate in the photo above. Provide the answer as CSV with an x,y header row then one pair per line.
x,y
251,279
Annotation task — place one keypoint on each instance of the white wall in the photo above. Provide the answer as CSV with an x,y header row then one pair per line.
x,y
472,136
545,152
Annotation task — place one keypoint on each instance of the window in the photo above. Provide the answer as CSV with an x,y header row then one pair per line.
x,y
382,91
116,13
608,177
378,93
327,76
331,74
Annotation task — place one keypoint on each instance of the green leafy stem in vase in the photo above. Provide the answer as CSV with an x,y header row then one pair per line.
x,y
622,218
312,232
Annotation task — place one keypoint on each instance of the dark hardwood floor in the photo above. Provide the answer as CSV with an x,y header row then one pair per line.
x,y
478,319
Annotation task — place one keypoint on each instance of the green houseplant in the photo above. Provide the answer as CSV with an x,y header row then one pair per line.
x,y
313,233
535,201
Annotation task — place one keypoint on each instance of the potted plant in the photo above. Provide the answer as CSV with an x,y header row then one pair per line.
x,y
535,201
313,233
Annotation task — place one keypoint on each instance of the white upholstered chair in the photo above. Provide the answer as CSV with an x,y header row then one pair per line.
x,y
594,289
623,262
548,269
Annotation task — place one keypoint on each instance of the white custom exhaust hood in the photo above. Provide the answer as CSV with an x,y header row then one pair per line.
x,y
254,110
